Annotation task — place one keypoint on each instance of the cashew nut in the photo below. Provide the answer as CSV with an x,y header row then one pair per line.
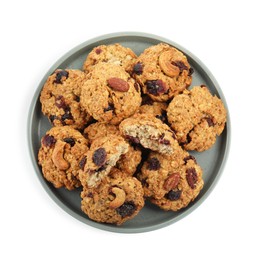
x,y
57,156
119,199
167,67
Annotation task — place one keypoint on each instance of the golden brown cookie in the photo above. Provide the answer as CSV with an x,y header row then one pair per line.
x,y
110,94
62,148
150,132
162,71
129,161
117,198
171,182
103,154
114,53
60,98
197,117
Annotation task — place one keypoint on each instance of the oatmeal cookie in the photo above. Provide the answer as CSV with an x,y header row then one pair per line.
x,y
129,161
171,182
110,94
114,53
60,98
103,154
162,71
150,132
62,148
196,117
117,199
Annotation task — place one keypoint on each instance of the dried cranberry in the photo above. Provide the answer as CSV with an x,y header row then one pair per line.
x,y
132,139
173,195
98,51
138,68
156,87
70,141
180,65
190,157
127,209
82,163
59,75
192,177
99,156
209,121
48,140
153,164
60,102
163,141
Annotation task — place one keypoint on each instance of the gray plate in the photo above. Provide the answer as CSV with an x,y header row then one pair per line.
x,y
150,217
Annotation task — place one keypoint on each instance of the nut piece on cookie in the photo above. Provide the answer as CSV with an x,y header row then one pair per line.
x,y
171,182
62,148
60,98
162,71
103,154
114,53
197,117
110,95
117,199
150,132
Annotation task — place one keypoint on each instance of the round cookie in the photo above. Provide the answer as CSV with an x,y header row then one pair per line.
x,y
196,117
129,161
102,155
117,199
163,72
114,53
150,132
60,98
110,94
62,148
171,182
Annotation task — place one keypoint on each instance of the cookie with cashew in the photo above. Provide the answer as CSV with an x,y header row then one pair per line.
x,y
62,148
163,72
118,198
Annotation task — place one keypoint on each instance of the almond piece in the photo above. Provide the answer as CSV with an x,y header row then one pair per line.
x,y
118,84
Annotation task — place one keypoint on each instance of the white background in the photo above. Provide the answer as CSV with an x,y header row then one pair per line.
x,y
224,35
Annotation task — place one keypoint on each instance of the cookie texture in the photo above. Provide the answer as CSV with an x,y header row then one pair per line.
x,y
171,182
118,198
114,53
110,94
129,161
156,109
60,98
150,132
196,117
103,154
162,71
62,148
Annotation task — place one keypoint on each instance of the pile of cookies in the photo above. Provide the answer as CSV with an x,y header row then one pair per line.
x,y
122,129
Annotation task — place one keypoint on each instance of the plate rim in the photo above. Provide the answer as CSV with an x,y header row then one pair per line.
x,y
103,226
